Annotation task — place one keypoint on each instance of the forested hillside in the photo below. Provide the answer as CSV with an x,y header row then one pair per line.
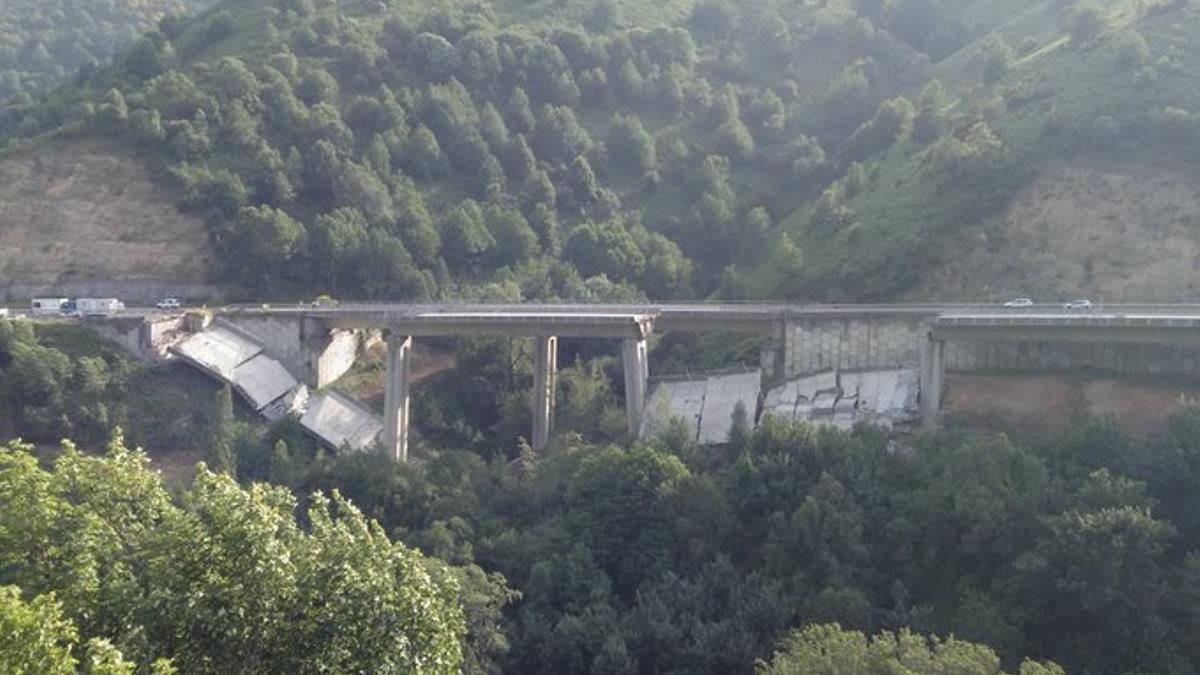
x,y
599,149
604,150
42,42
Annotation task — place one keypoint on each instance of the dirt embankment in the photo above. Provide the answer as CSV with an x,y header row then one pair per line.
x,y
85,218
1115,233
1048,403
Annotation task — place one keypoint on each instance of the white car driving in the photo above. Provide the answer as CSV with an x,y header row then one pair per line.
x,y
1019,302
1078,304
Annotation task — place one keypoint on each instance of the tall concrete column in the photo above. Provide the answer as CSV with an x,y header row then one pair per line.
x,y
933,373
545,385
395,396
637,374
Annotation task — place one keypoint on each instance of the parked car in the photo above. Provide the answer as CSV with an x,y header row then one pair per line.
x,y
168,303
1019,302
1078,304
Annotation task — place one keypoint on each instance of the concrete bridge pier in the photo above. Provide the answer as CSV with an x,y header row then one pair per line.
x,y
545,386
637,376
396,395
933,376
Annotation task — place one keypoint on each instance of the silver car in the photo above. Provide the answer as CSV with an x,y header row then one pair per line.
x,y
1019,302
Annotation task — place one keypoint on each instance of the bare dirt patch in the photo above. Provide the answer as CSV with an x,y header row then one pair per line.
x,y
84,215
1112,232
1040,403
365,383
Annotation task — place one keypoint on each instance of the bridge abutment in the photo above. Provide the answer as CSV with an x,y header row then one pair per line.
x,y
396,395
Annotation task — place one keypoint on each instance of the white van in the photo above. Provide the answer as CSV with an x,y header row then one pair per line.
x,y
47,306
98,306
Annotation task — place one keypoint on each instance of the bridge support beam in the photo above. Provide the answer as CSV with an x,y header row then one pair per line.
x,y
545,386
395,396
637,375
933,374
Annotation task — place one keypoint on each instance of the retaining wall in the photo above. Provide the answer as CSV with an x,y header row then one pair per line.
x,y
813,345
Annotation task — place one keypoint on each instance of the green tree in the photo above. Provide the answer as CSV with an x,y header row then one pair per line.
x,y
828,649
516,242
221,431
998,60
1132,50
468,240
229,581
1084,21
1093,582
620,495
268,238
35,638
604,248
630,144
422,155
338,237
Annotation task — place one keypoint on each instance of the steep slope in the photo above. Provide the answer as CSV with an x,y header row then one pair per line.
x,y
405,149
1117,232
88,218
1067,171
603,149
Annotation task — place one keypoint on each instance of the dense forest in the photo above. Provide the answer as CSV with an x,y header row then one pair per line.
x,y
43,42
657,557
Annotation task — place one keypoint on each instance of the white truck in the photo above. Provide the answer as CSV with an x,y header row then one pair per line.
x,y
98,306
47,306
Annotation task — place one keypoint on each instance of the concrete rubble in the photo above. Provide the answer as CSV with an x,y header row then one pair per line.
x,y
233,356
341,421
885,397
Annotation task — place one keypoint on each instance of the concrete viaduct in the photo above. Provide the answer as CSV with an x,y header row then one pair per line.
x,y
797,339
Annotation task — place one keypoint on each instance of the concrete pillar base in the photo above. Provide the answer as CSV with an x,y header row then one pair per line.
x,y
545,386
396,395
637,374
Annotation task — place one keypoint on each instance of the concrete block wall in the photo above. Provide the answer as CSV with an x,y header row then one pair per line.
x,y
814,345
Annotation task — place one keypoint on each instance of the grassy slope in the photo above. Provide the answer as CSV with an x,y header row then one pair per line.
x,y
910,204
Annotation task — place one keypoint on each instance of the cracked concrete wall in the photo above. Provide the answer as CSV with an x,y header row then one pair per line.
x,y
814,345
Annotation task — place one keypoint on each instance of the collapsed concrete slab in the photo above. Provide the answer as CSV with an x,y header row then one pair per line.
x,y
217,350
704,404
341,421
262,380
842,398
722,394
232,355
